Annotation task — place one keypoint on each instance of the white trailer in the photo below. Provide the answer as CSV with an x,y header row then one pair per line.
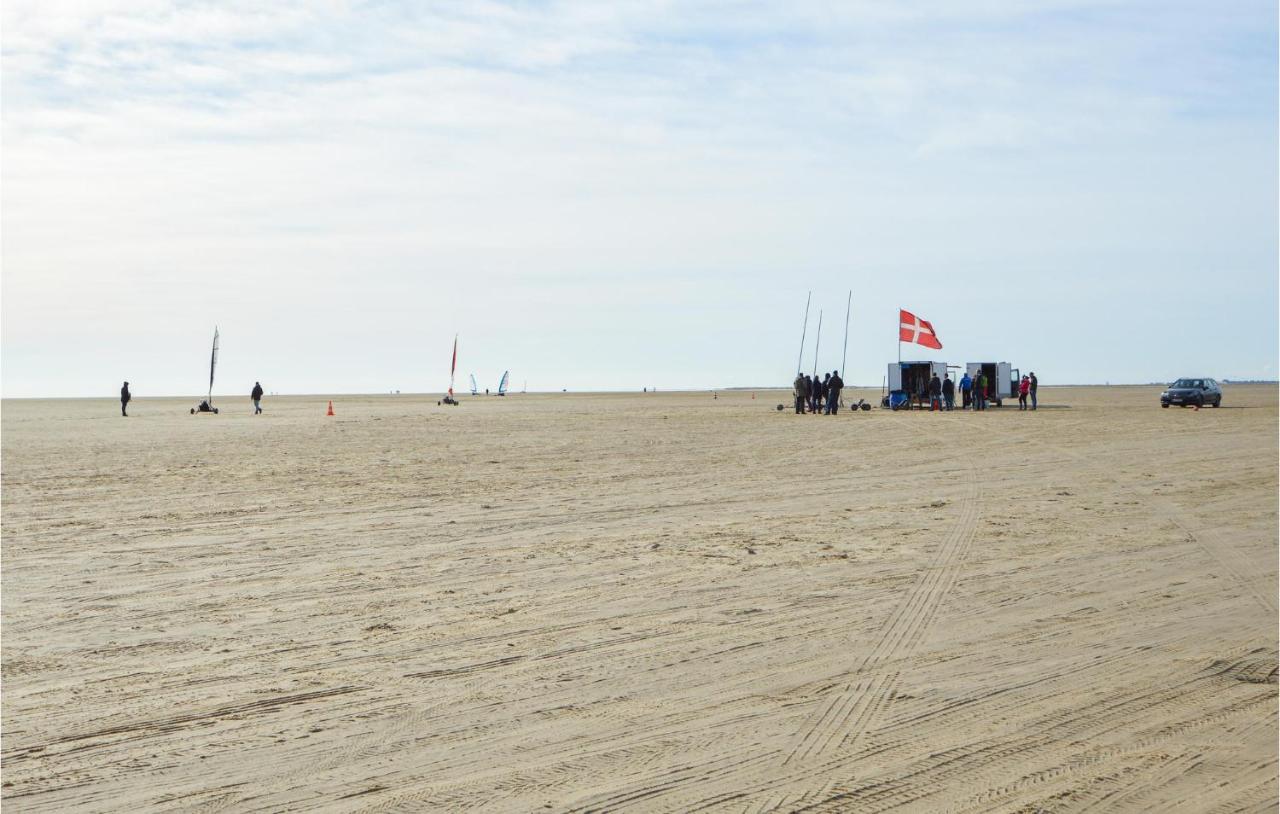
x,y
913,378
1001,383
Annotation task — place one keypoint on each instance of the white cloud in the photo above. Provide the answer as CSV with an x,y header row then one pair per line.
x,y
438,164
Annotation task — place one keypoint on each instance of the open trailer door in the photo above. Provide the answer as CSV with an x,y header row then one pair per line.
x,y
895,376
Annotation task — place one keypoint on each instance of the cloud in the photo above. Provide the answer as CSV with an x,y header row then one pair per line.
x,y
420,159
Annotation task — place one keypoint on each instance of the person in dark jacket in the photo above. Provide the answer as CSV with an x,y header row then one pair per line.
x,y
1032,384
834,385
256,395
801,388
935,393
948,392
125,398
980,392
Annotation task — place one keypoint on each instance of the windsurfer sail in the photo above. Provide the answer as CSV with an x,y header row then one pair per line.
x,y
213,363
502,385
453,367
474,388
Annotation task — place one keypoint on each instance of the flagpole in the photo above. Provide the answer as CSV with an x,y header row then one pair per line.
x,y
800,360
898,332
844,356
817,342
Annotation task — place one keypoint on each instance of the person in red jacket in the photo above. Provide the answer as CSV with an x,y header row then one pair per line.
x,y
1024,387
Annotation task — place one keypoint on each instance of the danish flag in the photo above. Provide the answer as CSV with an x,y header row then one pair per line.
x,y
914,329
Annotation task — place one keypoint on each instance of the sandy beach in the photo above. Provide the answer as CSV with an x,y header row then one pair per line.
x,y
640,602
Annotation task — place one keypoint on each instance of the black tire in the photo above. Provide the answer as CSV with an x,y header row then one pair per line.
x,y
1217,402
193,411
1166,406
1200,402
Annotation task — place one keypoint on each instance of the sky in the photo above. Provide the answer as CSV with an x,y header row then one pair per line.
x,y
602,196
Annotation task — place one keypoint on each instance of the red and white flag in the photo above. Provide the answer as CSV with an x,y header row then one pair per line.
x,y
912,328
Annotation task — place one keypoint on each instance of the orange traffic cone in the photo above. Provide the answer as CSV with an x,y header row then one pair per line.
x,y
330,407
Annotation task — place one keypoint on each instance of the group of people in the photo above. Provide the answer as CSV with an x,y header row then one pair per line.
x,y
975,392
818,395
204,407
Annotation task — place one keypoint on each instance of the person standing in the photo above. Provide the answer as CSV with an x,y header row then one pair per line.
x,y
256,395
834,385
948,392
125,398
935,393
1032,385
980,392
966,391
1023,387
801,387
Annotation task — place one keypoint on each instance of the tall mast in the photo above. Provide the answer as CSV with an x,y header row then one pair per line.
x,y
817,341
800,361
844,357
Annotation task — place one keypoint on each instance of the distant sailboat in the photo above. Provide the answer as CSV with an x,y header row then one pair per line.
x,y
474,388
453,370
502,385
213,363
206,406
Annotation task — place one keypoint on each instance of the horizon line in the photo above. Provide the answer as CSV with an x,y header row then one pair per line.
x,y
468,394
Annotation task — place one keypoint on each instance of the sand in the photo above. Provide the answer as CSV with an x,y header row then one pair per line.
x,y
640,603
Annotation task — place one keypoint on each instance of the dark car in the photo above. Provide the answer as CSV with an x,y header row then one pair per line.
x,y
1187,392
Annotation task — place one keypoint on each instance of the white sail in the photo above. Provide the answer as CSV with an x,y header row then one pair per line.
x,y
213,363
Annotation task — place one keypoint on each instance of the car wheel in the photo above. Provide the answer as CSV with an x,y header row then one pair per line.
x,y
1200,402
1217,402
1164,405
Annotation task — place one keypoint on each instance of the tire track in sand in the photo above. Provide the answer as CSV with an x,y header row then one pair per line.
x,y
1221,552
1214,547
834,730
851,709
